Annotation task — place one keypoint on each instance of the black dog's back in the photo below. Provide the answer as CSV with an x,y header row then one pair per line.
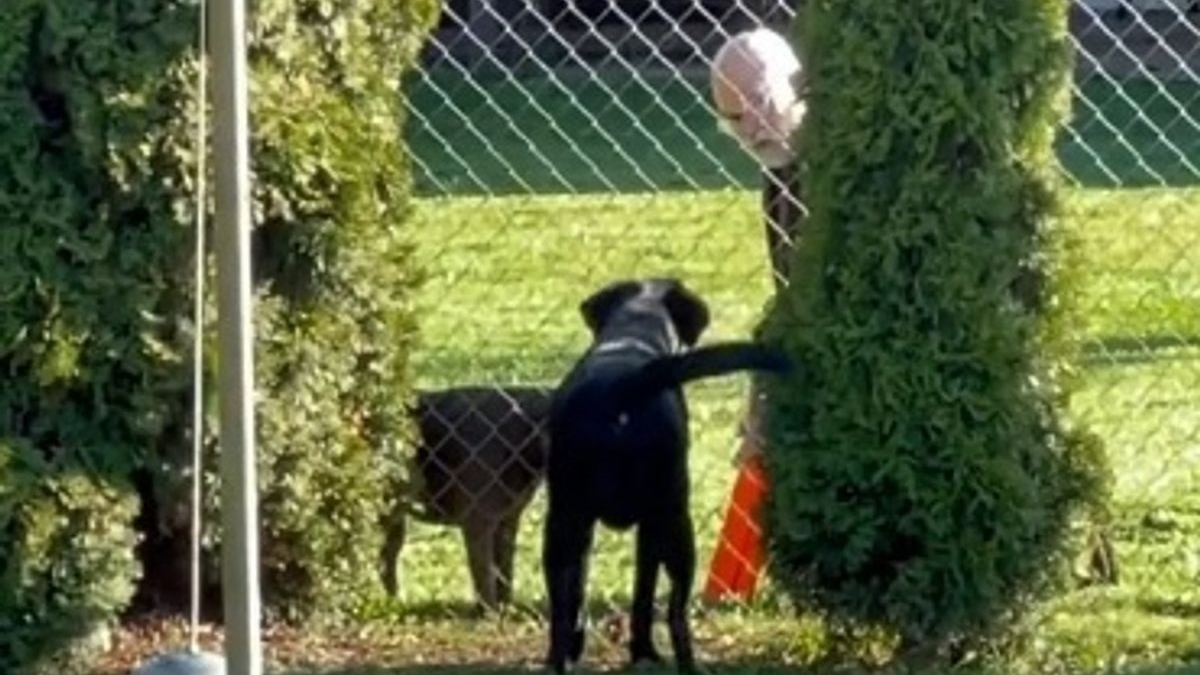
x,y
624,423
619,461
619,453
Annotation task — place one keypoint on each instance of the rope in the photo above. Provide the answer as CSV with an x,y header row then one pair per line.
x,y
198,331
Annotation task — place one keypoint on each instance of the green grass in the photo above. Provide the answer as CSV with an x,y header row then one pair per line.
x,y
530,203
500,306
641,132
740,669
657,190
756,669
567,135
1133,134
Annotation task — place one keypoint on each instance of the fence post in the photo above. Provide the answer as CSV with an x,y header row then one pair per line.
x,y
239,490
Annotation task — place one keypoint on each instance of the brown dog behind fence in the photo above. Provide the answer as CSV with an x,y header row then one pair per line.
x,y
481,455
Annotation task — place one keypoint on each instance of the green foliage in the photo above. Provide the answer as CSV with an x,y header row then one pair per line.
x,y
97,122
924,475
92,266
66,559
93,216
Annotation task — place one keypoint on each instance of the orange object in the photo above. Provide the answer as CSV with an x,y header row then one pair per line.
x,y
738,558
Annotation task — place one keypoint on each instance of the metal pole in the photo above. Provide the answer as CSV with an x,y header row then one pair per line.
x,y
239,494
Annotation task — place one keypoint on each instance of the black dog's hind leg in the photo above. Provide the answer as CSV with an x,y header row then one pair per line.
x,y
679,557
564,561
641,642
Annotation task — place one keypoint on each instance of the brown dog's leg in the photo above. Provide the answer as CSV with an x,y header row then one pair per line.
x,y
504,548
479,535
395,526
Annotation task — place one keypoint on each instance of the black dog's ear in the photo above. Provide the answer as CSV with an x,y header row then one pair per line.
x,y
688,312
598,308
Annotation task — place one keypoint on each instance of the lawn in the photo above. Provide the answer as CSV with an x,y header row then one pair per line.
x,y
528,203
735,670
536,190
506,274
637,132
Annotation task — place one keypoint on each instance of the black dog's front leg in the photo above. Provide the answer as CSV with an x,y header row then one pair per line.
x,y
564,561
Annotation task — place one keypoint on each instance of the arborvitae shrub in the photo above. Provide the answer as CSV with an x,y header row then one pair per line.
x,y
924,478
97,131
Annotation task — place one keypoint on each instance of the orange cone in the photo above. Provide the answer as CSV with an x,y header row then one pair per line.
x,y
738,558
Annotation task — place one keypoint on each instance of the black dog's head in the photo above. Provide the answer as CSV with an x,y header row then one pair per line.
x,y
661,305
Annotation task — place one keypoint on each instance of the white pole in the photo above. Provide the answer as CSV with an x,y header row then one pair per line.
x,y
239,496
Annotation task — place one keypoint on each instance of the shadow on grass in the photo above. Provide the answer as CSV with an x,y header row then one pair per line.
x,y
741,668
598,608
1119,349
730,669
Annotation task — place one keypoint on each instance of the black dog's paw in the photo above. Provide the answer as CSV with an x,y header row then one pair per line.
x,y
647,663
576,649
644,656
556,666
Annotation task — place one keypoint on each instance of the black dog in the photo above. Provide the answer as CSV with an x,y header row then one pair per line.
x,y
480,458
618,455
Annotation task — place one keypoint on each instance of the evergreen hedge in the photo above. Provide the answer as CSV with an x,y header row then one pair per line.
x,y
924,475
97,124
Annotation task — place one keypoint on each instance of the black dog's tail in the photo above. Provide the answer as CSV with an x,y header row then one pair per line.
x,y
708,361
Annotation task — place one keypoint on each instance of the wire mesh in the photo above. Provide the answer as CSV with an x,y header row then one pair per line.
x,y
558,144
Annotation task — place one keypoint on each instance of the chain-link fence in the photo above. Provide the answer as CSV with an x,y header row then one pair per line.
x,y
558,144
